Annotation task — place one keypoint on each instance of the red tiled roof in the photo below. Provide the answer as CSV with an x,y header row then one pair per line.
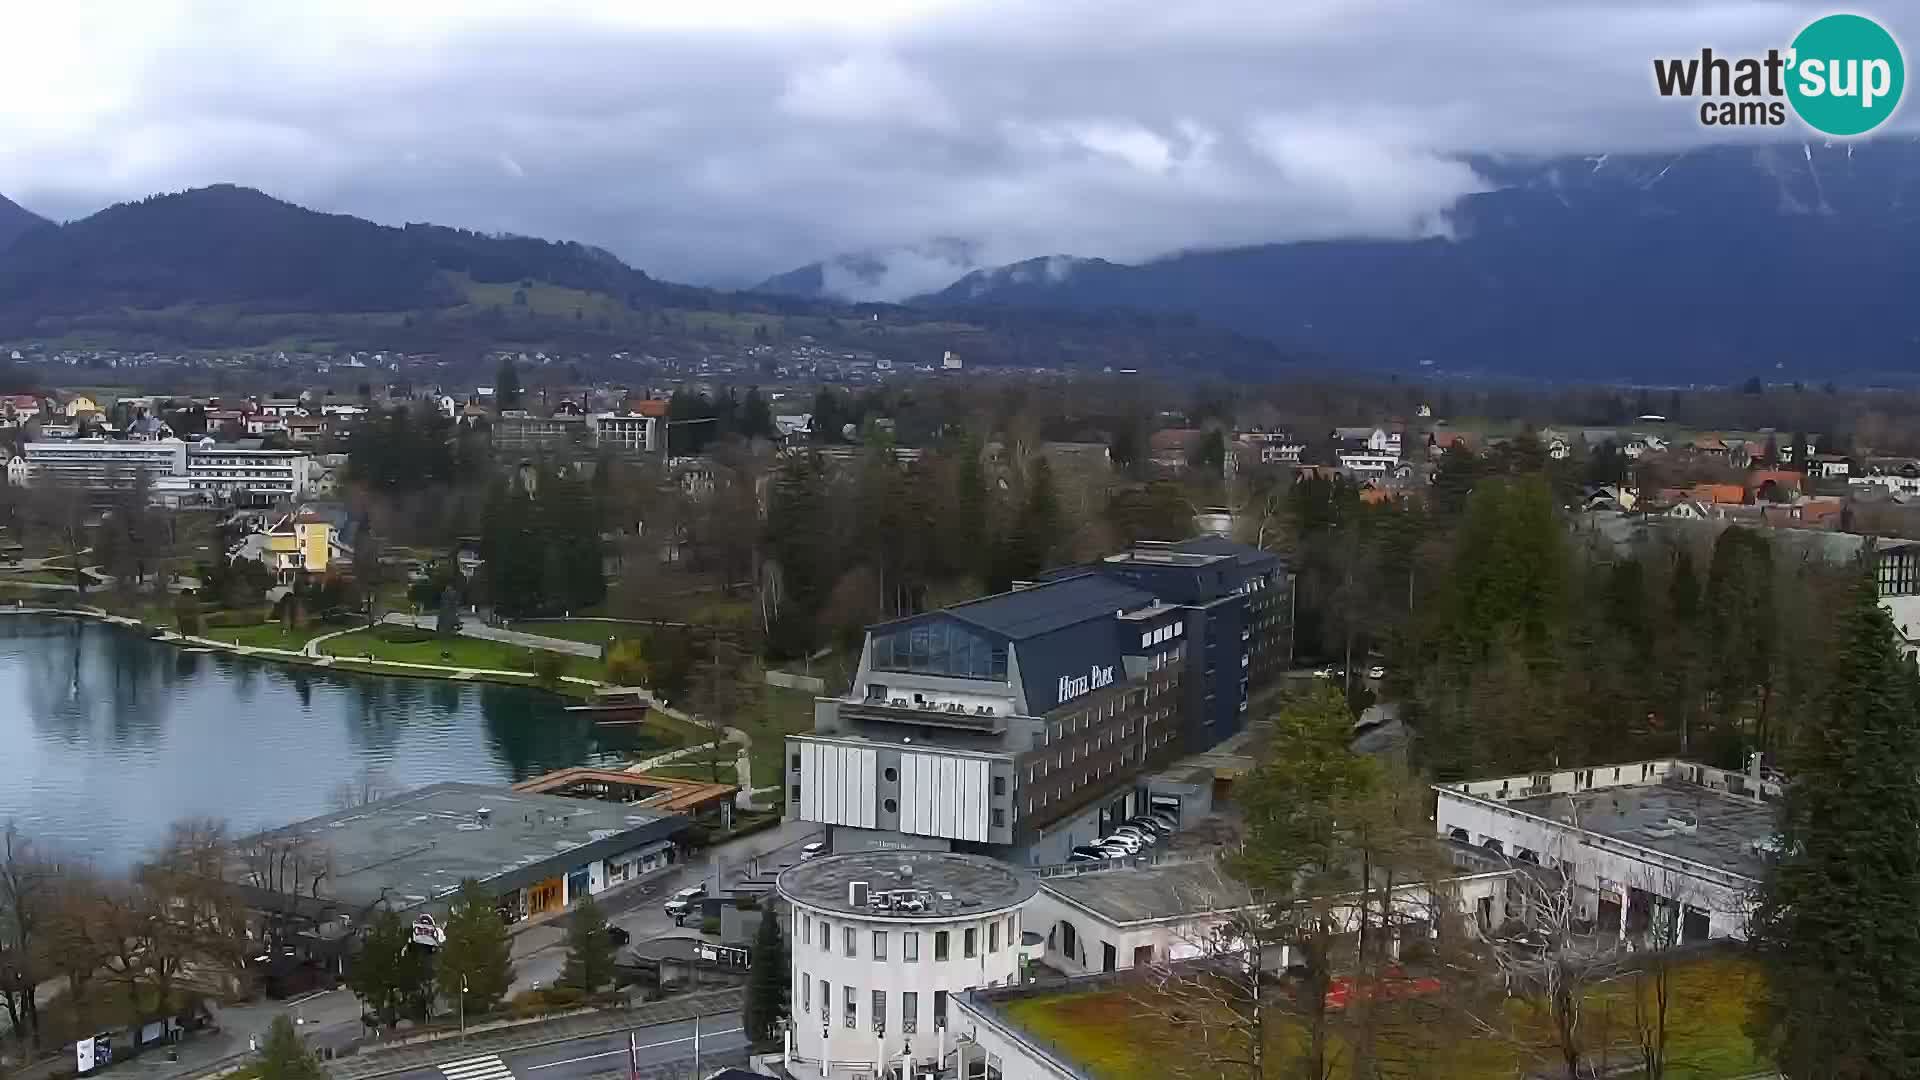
x,y
1720,494
655,407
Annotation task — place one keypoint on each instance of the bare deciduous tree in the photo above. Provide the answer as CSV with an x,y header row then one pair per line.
x,y
27,894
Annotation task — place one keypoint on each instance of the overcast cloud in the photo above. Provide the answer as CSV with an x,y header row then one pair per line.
x,y
722,142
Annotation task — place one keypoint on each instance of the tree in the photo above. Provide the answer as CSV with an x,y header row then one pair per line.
x,y
1553,966
589,963
756,417
285,1057
389,974
506,384
475,965
448,623
767,982
26,896
1304,813
1834,927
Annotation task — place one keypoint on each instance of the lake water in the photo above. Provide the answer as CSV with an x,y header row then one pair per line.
x,y
106,737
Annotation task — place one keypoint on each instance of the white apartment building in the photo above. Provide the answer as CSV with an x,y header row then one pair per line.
x,y
628,432
1663,840
883,941
101,464
225,471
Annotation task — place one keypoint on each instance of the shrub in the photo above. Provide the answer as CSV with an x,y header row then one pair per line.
x,y
710,926
547,666
627,663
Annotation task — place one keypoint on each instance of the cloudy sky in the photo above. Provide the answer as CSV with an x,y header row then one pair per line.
x,y
719,142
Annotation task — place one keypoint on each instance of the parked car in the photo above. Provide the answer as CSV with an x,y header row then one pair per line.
x,y
682,903
1115,851
1376,672
813,850
1083,857
1166,819
618,935
1149,824
1087,849
1146,838
1131,844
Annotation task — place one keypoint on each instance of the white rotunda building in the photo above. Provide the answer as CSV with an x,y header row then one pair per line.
x,y
881,941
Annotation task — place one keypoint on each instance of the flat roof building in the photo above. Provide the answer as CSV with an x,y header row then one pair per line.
x,y
534,853
1671,840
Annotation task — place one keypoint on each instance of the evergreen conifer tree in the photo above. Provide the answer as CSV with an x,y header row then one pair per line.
x,y
767,981
1835,926
589,963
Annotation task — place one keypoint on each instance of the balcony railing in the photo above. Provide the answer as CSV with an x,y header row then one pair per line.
x,y
965,718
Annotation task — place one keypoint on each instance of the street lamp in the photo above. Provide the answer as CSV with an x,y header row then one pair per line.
x,y
463,1008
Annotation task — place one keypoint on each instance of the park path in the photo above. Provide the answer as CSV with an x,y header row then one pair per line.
x,y
469,628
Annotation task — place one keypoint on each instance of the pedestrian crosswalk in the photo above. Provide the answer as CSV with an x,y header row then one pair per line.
x,y
484,1067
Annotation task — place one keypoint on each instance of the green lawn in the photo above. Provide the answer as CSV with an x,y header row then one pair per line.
x,y
700,767
384,644
270,635
42,577
1124,1032
782,712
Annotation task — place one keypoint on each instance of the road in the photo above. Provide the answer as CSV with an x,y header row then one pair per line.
x,y
539,951
721,1042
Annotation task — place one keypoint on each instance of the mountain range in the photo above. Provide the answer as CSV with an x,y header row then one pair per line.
x,y
14,220
1784,260
230,266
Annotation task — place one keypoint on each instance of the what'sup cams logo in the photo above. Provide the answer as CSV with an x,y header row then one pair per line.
x,y
1842,76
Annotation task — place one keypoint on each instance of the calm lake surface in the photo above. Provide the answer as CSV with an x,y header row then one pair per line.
x,y
106,737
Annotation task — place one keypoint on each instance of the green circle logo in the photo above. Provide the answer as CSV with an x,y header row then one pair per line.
x,y
1846,75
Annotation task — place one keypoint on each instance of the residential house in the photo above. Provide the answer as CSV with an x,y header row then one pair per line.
x,y
1271,446
1774,485
1440,440
308,541
1557,445
1169,448
1829,466
1712,446
306,429
1373,440
1897,476
80,403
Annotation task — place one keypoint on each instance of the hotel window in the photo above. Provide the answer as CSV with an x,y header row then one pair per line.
x,y
999,785
879,1010
999,817
806,992
939,1008
826,936
910,946
850,940
853,998
806,929
971,948
879,944
909,1012
939,944
826,1001
993,937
